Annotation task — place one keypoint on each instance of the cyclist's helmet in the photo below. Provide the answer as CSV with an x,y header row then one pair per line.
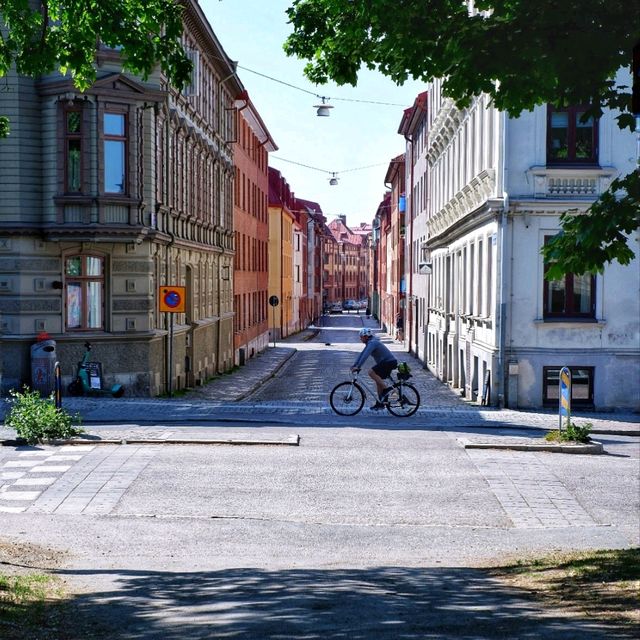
x,y
365,332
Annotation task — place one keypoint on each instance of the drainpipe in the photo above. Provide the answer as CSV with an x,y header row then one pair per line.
x,y
408,213
501,276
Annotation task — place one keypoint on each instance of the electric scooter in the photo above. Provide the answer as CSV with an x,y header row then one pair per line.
x,y
82,384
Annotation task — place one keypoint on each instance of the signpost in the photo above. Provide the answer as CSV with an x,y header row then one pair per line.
x,y
274,302
565,396
171,300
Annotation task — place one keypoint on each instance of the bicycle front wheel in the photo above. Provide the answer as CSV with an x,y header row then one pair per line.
x,y
347,398
403,400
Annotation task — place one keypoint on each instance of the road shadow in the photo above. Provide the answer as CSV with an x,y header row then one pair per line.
x,y
394,603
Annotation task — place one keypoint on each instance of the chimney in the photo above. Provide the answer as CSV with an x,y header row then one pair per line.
x,y
343,217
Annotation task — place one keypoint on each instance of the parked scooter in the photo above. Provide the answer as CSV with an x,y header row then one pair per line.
x,y
82,384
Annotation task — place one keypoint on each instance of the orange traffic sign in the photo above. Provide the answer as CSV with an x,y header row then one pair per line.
x,y
172,299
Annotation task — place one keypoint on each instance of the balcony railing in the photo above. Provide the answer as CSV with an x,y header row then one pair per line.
x,y
573,182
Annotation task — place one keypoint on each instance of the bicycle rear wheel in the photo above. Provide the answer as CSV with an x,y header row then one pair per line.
x,y
403,400
347,398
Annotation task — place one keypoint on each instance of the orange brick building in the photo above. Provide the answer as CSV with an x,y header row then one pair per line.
x,y
251,227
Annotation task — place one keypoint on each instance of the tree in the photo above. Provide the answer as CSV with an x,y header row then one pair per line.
x,y
63,35
522,53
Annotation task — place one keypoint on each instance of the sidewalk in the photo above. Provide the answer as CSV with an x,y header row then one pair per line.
x,y
123,418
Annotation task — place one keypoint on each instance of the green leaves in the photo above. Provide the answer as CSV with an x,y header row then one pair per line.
x,y
590,240
37,419
65,36
520,53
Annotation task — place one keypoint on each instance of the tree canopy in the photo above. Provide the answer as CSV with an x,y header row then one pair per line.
x,y
522,53
64,35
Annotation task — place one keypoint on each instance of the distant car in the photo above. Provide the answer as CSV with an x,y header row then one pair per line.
x,y
350,305
335,307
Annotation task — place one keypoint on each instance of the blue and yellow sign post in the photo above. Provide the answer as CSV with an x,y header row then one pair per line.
x,y
171,300
565,396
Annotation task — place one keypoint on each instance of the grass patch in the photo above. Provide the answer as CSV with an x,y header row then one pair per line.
x,y
599,584
571,433
28,604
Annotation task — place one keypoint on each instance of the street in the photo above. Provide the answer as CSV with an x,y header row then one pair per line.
x,y
372,527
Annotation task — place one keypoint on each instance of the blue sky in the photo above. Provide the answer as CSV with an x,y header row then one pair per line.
x,y
355,135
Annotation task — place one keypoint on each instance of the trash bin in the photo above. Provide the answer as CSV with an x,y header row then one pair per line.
x,y
43,360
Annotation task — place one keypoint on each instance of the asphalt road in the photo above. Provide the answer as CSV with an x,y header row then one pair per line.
x,y
376,528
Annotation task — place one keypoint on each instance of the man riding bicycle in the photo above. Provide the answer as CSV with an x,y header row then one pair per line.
x,y
385,363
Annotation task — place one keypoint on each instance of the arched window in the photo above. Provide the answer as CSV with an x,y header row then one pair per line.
x,y
84,292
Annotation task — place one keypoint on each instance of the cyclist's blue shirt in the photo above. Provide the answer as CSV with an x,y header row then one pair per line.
x,y
376,350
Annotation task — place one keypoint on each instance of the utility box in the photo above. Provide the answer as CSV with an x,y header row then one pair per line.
x,y
43,360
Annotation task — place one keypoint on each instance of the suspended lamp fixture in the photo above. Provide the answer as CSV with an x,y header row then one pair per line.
x,y
323,109
333,180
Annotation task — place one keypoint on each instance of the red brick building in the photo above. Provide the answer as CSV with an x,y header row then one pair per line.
x,y
251,227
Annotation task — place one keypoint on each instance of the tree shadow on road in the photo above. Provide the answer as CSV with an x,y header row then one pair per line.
x,y
380,603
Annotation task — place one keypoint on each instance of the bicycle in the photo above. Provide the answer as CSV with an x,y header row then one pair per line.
x,y
347,398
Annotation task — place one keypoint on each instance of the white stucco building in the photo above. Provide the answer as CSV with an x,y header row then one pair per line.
x,y
486,191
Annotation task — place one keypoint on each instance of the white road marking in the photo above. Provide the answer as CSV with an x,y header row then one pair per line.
x,y
35,481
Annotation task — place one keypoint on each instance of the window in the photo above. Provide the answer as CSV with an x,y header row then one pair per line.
x,y
581,386
84,279
569,139
571,297
73,151
115,147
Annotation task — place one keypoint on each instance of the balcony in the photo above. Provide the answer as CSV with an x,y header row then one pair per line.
x,y
571,182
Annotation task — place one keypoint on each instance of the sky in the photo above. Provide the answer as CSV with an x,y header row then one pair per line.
x,y
356,134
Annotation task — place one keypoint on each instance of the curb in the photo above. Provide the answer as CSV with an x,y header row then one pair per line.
x,y
291,441
266,377
593,448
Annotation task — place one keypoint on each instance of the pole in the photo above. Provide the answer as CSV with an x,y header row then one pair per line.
x,y
274,327
57,375
171,354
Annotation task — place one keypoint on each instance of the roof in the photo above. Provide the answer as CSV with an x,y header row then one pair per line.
x,y
412,116
248,111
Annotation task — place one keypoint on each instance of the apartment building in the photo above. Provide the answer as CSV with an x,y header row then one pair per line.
x,y
486,191
107,197
251,227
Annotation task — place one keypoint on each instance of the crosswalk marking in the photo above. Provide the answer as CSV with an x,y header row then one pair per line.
x,y
35,481
12,464
49,468
20,495
12,509
11,475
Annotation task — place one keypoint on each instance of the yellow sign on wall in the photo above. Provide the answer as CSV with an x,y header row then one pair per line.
x,y
172,299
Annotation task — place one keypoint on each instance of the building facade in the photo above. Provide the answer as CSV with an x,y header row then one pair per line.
x,y
494,190
251,226
109,196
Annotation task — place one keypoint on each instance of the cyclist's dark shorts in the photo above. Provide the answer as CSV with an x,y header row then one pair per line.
x,y
385,368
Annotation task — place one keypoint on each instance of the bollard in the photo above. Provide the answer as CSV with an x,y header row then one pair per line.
x,y
57,377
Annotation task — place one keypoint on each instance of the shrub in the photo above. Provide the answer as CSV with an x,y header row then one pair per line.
x,y
572,433
36,419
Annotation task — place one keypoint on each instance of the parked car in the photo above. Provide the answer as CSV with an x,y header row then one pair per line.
x,y
350,305
335,307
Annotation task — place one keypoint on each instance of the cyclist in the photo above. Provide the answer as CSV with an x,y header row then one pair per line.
x,y
385,363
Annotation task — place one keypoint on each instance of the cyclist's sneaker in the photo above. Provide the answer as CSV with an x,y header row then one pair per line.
x,y
377,406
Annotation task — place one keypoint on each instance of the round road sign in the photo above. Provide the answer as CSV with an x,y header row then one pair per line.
x,y
273,301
